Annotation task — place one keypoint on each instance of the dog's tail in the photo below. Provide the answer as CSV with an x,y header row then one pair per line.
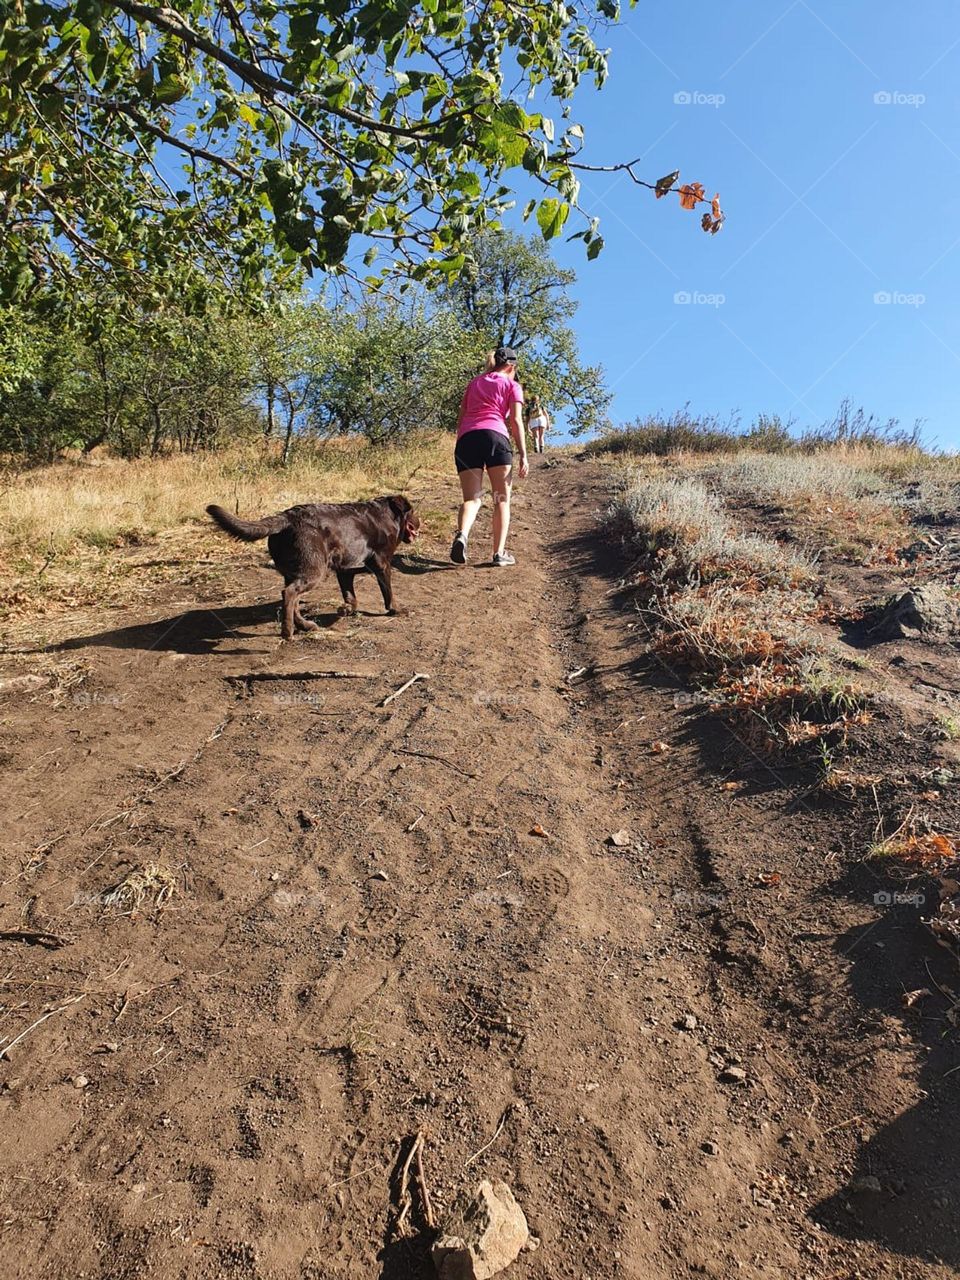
x,y
248,530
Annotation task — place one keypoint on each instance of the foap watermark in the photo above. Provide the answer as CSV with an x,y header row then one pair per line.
x,y
85,698
685,298
494,698
496,898
897,98
698,898
885,898
697,98
895,298
294,697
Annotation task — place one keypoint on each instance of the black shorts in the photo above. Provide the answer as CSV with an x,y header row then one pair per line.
x,y
482,448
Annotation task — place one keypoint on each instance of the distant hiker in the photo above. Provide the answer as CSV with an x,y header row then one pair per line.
x,y
538,423
491,411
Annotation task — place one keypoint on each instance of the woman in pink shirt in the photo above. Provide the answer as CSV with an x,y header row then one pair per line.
x,y
490,413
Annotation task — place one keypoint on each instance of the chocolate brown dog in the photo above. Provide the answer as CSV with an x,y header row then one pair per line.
x,y
347,537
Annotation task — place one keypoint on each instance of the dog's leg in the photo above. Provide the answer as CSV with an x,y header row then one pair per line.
x,y
382,575
302,623
345,578
291,597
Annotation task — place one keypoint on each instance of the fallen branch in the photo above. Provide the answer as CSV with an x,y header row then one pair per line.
x,y
4,1051
422,1184
419,675
404,1199
426,755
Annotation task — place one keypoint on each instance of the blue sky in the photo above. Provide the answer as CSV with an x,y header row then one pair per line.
x,y
831,134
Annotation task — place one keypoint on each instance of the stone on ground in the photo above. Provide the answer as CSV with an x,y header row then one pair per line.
x,y
483,1236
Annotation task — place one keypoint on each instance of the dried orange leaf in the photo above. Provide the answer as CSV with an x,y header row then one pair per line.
x,y
715,206
658,748
691,193
537,830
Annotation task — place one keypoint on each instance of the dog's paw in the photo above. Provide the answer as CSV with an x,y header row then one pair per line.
x,y
347,610
397,612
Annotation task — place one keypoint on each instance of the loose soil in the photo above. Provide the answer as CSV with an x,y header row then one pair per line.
x,y
686,1051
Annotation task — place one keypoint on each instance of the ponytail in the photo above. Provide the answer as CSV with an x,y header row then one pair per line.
x,y
490,363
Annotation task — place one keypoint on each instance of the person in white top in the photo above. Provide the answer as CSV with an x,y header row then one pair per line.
x,y
538,423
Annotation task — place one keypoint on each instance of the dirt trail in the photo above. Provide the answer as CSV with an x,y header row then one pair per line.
x,y
368,940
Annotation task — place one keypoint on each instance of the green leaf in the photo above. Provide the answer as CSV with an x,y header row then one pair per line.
x,y
551,215
170,89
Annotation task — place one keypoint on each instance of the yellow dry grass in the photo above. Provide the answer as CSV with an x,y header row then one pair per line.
x,y
104,532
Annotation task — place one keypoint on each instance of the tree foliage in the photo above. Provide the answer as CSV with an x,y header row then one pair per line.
x,y
296,125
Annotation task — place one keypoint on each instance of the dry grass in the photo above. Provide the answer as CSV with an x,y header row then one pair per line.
x,y
854,502
152,885
736,608
107,532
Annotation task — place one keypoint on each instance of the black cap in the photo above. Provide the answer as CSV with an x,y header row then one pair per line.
x,y
504,355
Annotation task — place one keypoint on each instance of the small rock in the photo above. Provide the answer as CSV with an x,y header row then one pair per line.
x,y
379,875
80,1082
668,1202
108,1046
710,1148
688,1022
866,1183
483,1235
619,839
733,1075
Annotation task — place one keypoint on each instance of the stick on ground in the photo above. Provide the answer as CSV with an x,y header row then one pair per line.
x,y
418,675
427,755
49,1014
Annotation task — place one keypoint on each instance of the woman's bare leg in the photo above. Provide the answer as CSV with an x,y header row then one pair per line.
x,y
471,486
500,479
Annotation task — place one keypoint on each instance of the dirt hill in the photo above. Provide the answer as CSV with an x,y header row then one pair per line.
x,y
519,908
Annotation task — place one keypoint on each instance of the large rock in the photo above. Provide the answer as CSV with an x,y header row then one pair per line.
x,y
928,611
482,1236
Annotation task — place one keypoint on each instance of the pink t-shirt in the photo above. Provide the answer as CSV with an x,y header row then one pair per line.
x,y
487,402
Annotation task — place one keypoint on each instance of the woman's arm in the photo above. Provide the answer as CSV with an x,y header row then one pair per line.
x,y
515,423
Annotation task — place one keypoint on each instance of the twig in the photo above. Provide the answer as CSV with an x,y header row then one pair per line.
x,y
49,1014
419,675
491,1022
413,825
404,1200
426,755
487,1145
422,1184
37,937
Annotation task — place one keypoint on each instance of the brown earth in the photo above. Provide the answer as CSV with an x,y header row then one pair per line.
x,y
366,939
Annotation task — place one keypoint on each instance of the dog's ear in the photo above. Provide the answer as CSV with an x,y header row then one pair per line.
x,y
399,505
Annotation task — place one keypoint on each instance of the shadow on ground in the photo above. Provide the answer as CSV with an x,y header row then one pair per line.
x,y
196,631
